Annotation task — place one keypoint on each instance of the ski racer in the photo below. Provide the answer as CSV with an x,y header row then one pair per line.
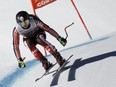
x,y
33,31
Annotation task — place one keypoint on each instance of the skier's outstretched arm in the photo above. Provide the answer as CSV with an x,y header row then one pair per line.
x,y
16,43
51,31
16,40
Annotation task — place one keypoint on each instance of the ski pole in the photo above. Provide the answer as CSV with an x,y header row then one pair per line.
x,y
66,30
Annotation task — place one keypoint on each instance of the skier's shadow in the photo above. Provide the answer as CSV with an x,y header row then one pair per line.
x,y
79,63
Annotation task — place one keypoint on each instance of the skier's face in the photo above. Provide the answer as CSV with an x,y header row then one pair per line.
x,y
24,23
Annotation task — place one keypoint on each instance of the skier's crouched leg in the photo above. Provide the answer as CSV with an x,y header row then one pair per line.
x,y
58,58
45,63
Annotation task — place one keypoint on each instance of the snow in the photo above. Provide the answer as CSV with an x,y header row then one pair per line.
x,y
93,63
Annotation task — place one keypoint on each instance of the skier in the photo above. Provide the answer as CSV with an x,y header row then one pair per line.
x,y
33,31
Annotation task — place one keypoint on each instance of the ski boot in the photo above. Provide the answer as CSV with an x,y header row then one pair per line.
x,y
46,64
59,58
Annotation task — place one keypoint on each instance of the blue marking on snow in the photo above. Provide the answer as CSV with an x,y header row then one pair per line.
x,y
12,77
17,73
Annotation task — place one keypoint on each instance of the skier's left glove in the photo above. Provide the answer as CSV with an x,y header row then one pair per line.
x,y
62,40
21,63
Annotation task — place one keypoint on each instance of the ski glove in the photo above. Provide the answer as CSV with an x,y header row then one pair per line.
x,y
21,63
62,40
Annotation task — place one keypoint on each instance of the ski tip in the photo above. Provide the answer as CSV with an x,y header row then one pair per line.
x,y
37,79
71,55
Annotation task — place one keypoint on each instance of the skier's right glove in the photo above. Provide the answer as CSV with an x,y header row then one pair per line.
x,y
21,63
62,40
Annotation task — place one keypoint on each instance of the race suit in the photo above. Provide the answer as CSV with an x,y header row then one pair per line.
x,y
33,35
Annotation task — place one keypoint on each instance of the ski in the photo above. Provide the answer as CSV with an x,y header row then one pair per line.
x,y
45,73
59,69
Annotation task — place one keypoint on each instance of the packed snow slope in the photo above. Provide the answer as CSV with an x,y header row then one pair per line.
x,y
92,65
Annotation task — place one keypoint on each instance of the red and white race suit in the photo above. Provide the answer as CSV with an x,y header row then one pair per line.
x,y
34,35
